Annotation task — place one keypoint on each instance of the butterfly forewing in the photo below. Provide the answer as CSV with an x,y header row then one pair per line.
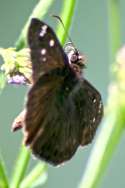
x,y
40,102
46,51
47,58
51,121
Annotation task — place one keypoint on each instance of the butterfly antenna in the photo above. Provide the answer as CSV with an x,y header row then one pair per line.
x,y
60,20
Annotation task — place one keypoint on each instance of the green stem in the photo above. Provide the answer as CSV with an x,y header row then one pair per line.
x,y
113,124
38,171
103,149
20,167
38,12
66,16
3,177
114,26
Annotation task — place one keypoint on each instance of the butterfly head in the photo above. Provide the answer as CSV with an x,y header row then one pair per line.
x,y
76,59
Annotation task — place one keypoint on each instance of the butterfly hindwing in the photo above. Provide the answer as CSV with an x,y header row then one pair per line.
x,y
90,108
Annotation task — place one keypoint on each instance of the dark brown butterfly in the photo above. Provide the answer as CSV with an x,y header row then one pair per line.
x,y
63,109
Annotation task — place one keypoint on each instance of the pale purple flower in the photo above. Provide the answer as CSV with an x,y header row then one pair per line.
x,y
17,79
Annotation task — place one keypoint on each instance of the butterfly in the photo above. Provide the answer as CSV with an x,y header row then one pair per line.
x,y
63,109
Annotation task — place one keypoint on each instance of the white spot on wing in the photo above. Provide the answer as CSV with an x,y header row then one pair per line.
x,y
44,27
51,42
43,51
99,111
43,30
94,101
93,120
100,105
44,59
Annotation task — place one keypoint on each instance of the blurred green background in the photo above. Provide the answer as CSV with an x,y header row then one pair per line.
x,y
90,33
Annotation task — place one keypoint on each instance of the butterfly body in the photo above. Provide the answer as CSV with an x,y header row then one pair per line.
x,y
63,109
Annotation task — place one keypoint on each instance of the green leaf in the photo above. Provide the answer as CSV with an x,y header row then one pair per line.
x,y
20,167
3,177
36,177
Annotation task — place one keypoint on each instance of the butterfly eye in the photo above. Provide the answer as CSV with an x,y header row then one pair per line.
x,y
74,57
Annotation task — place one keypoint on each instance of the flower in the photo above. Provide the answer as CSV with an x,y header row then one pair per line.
x,y
17,79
